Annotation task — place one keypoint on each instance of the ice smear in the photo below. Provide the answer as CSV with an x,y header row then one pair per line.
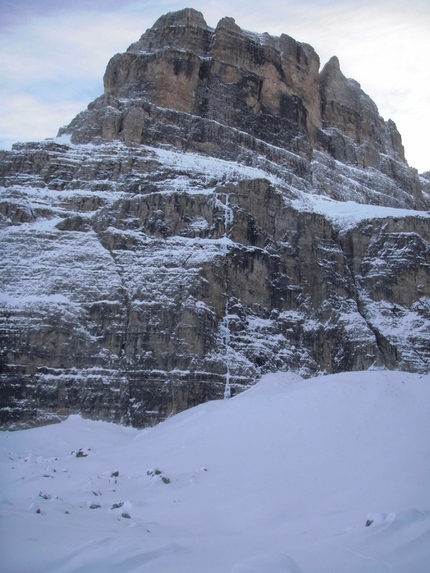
x,y
347,214
65,139
11,300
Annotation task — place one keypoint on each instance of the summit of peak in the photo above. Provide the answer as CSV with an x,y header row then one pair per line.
x,y
185,17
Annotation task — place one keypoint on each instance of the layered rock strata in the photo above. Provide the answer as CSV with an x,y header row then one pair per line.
x,y
223,210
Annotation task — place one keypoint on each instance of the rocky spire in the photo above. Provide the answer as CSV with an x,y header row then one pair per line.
x,y
346,109
267,87
186,29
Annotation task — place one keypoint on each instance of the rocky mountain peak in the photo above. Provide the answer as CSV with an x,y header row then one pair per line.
x,y
228,23
185,29
187,17
345,107
270,88
236,212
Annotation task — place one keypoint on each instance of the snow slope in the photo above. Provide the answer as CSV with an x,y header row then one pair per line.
x,y
281,478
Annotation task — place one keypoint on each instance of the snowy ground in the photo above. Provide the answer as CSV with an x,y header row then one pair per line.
x,y
281,478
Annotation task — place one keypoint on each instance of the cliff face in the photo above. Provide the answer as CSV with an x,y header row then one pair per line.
x,y
223,210
236,95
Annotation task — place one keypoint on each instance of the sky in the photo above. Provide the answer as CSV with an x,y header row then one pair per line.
x,y
54,54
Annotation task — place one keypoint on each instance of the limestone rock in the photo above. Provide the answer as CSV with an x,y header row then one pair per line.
x,y
237,212
233,94
267,87
355,131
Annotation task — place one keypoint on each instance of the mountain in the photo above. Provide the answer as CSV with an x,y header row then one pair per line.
x,y
291,476
223,210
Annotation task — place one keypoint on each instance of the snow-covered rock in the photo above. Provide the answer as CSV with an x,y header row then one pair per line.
x,y
215,215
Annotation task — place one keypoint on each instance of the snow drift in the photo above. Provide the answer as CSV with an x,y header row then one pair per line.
x,y
293,475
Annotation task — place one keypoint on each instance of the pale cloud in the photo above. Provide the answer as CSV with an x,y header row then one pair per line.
x,y
72,46
17,12
24,118
56,55
53,67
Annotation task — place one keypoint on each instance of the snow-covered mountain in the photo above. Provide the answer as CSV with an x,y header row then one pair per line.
x,y
291,476
222,211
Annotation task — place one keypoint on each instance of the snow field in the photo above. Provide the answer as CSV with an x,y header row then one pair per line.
x,y
281,478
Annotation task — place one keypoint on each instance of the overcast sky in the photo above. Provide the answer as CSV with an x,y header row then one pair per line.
x,y
53,54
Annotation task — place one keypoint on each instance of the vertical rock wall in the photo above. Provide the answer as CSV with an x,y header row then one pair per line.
x,y
196,234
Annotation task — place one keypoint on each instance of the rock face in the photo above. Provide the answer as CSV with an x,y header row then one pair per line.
x,y
223,210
